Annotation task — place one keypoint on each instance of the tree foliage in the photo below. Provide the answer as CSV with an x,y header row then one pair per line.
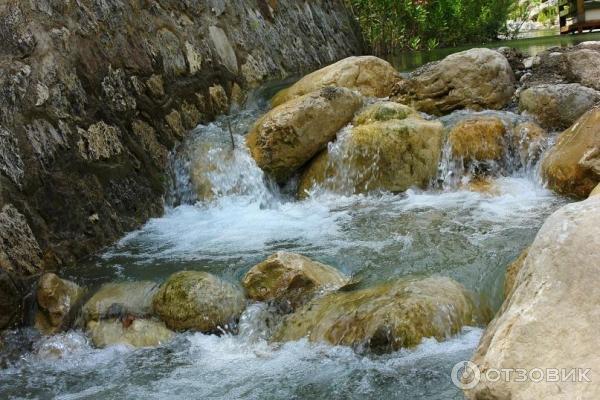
x,y
425,24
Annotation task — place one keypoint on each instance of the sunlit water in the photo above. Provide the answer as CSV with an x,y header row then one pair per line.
x,y
446,230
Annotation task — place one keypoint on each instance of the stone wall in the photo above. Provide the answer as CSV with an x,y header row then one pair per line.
x,y
95,93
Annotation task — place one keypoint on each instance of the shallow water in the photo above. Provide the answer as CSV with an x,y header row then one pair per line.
x,y
445,230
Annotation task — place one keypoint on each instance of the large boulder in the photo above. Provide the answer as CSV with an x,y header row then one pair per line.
x,y
387,317
289,279
392,155
478,139
291,134
551,319
193,300
584,66
56,303
369,75
572,166
115,300
475,79
557,106
134,332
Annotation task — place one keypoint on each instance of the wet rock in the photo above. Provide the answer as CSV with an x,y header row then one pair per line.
x,y
371,76
483,185
136,333
572,166
530,141
114,300
475,79
200,301
550,319
387,317
56,300
512,271
383,111
557,106
290,279
289,135
478,139
392,155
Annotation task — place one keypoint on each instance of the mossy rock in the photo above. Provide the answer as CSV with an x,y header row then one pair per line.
x,y
136,333
384,111
57,300
478,139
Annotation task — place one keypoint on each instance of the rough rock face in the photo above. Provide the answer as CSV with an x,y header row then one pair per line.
x,y
392,155
56,301
478,139
557,106
371,76
551,318
383,318
198,301
475,79
136,333
289,279
95,94
289,135
572,166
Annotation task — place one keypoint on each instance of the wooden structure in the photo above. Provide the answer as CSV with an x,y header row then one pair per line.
x,y
578,15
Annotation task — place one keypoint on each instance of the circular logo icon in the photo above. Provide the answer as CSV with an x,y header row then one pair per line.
x,y
465,375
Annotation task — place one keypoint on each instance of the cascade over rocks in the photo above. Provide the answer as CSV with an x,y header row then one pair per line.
x,y
475,79
289,135
290,279
530,141
192,300
478,139
383,318
572,166
56,300
371,76
551,318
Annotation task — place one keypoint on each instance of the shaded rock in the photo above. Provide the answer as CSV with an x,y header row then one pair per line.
x,y
371,76
387,317
572,166
530,141
291,134
56,301
100,141
224,48
478,139
114,300
383,111
137,333
551,318
290,279
476,79
198,301
557,106
512,271
391,155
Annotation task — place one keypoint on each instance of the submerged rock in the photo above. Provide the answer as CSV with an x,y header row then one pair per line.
x,y
291,134
114,300
551,318
369,75
478,139
387,317
136,332
475,79
391,155
384,111
572,166
557,106
512,271
192,300
290,279
56,299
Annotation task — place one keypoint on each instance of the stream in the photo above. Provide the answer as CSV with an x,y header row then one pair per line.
x,y
445,230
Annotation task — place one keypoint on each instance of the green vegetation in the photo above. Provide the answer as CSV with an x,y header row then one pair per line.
x,y
425,24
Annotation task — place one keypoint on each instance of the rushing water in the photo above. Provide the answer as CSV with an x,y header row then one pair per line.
x,y
446,230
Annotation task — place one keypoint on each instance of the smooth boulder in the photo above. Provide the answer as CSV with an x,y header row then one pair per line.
x,y
387,317
475,79
290,279
136,333
369,75
392,155
291,134
56,301
557,106
572,166
551,318
114,300
195,300
478,139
